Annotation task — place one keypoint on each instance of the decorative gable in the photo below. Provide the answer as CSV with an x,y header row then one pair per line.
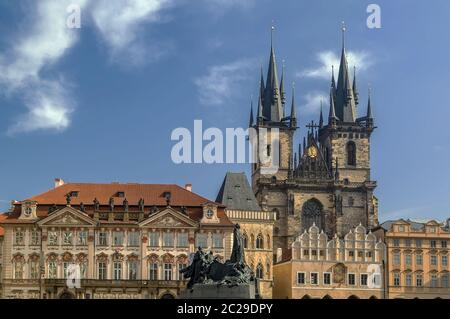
x,y
68,217
168,218
209,214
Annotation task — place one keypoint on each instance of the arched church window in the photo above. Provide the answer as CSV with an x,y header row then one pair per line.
x,y
245,240
312,214
259,242
351,153
259,271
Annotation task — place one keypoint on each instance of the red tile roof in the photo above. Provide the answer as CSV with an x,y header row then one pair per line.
x,y
2,217
151,193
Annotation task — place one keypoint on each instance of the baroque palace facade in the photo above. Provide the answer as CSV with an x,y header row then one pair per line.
x,y
129,240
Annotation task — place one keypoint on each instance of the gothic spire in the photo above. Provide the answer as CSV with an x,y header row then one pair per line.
x,y
332,114
293,121
345,101
261,85
354,88
282,92
273,109
251,114
260,117
369,117
333,81
321,114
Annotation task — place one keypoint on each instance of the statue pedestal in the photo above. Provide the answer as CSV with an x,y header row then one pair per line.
x,y
214,291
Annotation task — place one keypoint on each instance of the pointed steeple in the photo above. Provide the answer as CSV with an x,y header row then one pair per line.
x,y
260,117
251,122
261,85
293,122
273,109
304,145
345,102
282,92
299,151
333,81
295,161
332,119
354,88
369,116
321,114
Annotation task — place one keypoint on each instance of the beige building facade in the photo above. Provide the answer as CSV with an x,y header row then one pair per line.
x,y
418,253
320,268
120,241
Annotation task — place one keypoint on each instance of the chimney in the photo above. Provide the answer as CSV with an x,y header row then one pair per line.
x,y
59,182
188,187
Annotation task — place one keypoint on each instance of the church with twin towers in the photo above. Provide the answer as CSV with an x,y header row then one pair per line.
x,y
325,180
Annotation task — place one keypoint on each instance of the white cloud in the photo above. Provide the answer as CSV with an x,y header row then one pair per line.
x,y
227,4
221,82
362,60
46,42
313,101
119,23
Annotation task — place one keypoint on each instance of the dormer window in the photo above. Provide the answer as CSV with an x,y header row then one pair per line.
x,y
74,194
120,194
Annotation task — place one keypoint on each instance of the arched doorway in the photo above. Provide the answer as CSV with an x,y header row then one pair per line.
x,y
167,296
373,297
327,297
306,297
353,297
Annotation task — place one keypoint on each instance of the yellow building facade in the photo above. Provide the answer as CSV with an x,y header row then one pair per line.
x,y
418,265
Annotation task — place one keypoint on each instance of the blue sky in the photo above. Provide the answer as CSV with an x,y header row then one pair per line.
x,y
99,104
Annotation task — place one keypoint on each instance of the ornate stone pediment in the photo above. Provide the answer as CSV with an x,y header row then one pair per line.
x,y
169,218
68,216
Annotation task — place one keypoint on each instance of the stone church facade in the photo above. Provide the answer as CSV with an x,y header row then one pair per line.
x,y
326,180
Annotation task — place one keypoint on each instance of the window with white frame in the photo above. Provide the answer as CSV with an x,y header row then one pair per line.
x,y
102,270
52,270
181,267
35,237
153,271
419,260
133,239
433,260
327,278
314,278
434,281
444,261
153,239
53,238
167,271
408,260
363,280
117,270
300,278
396,259
444,281
396,279
183,240
34,269
19,237
408,280
217,241
351,279
168,239
82,238
201,240
432,243
444,244
418,243
18,269
103,238
118,238
419,280
132,270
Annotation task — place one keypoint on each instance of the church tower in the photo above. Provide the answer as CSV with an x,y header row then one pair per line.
x,y
326,181
274,129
